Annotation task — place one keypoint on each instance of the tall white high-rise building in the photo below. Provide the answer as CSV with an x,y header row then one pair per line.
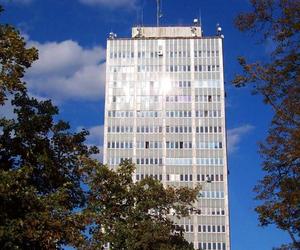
x,y
165,110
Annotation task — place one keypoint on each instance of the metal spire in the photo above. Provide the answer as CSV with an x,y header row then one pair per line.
x,y
158,12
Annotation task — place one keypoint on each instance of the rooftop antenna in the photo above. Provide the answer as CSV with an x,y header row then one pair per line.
x,y
200,18
137,17
142,16
158,12
200,21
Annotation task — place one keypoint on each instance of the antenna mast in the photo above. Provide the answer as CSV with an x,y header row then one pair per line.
x,y
158,12
200,18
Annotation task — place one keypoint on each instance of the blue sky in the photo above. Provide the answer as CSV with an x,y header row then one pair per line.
x,y
71,37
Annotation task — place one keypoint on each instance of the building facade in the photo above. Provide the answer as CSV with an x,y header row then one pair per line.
x,y
165,110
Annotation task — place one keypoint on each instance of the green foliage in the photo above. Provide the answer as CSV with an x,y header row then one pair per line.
x,y
278,81
134,215
40,177
40,167
15,58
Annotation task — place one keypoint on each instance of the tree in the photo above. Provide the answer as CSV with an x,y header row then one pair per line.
x,y
15,58
40,178
40,169
44,203
134,215
278,81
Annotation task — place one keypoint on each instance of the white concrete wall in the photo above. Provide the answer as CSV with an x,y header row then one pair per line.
x,y
166,32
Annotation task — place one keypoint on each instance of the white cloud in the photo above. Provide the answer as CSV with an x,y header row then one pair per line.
x,y
96,135
113,4
234,136
65,70
99,156
270,46
95,138
7,110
